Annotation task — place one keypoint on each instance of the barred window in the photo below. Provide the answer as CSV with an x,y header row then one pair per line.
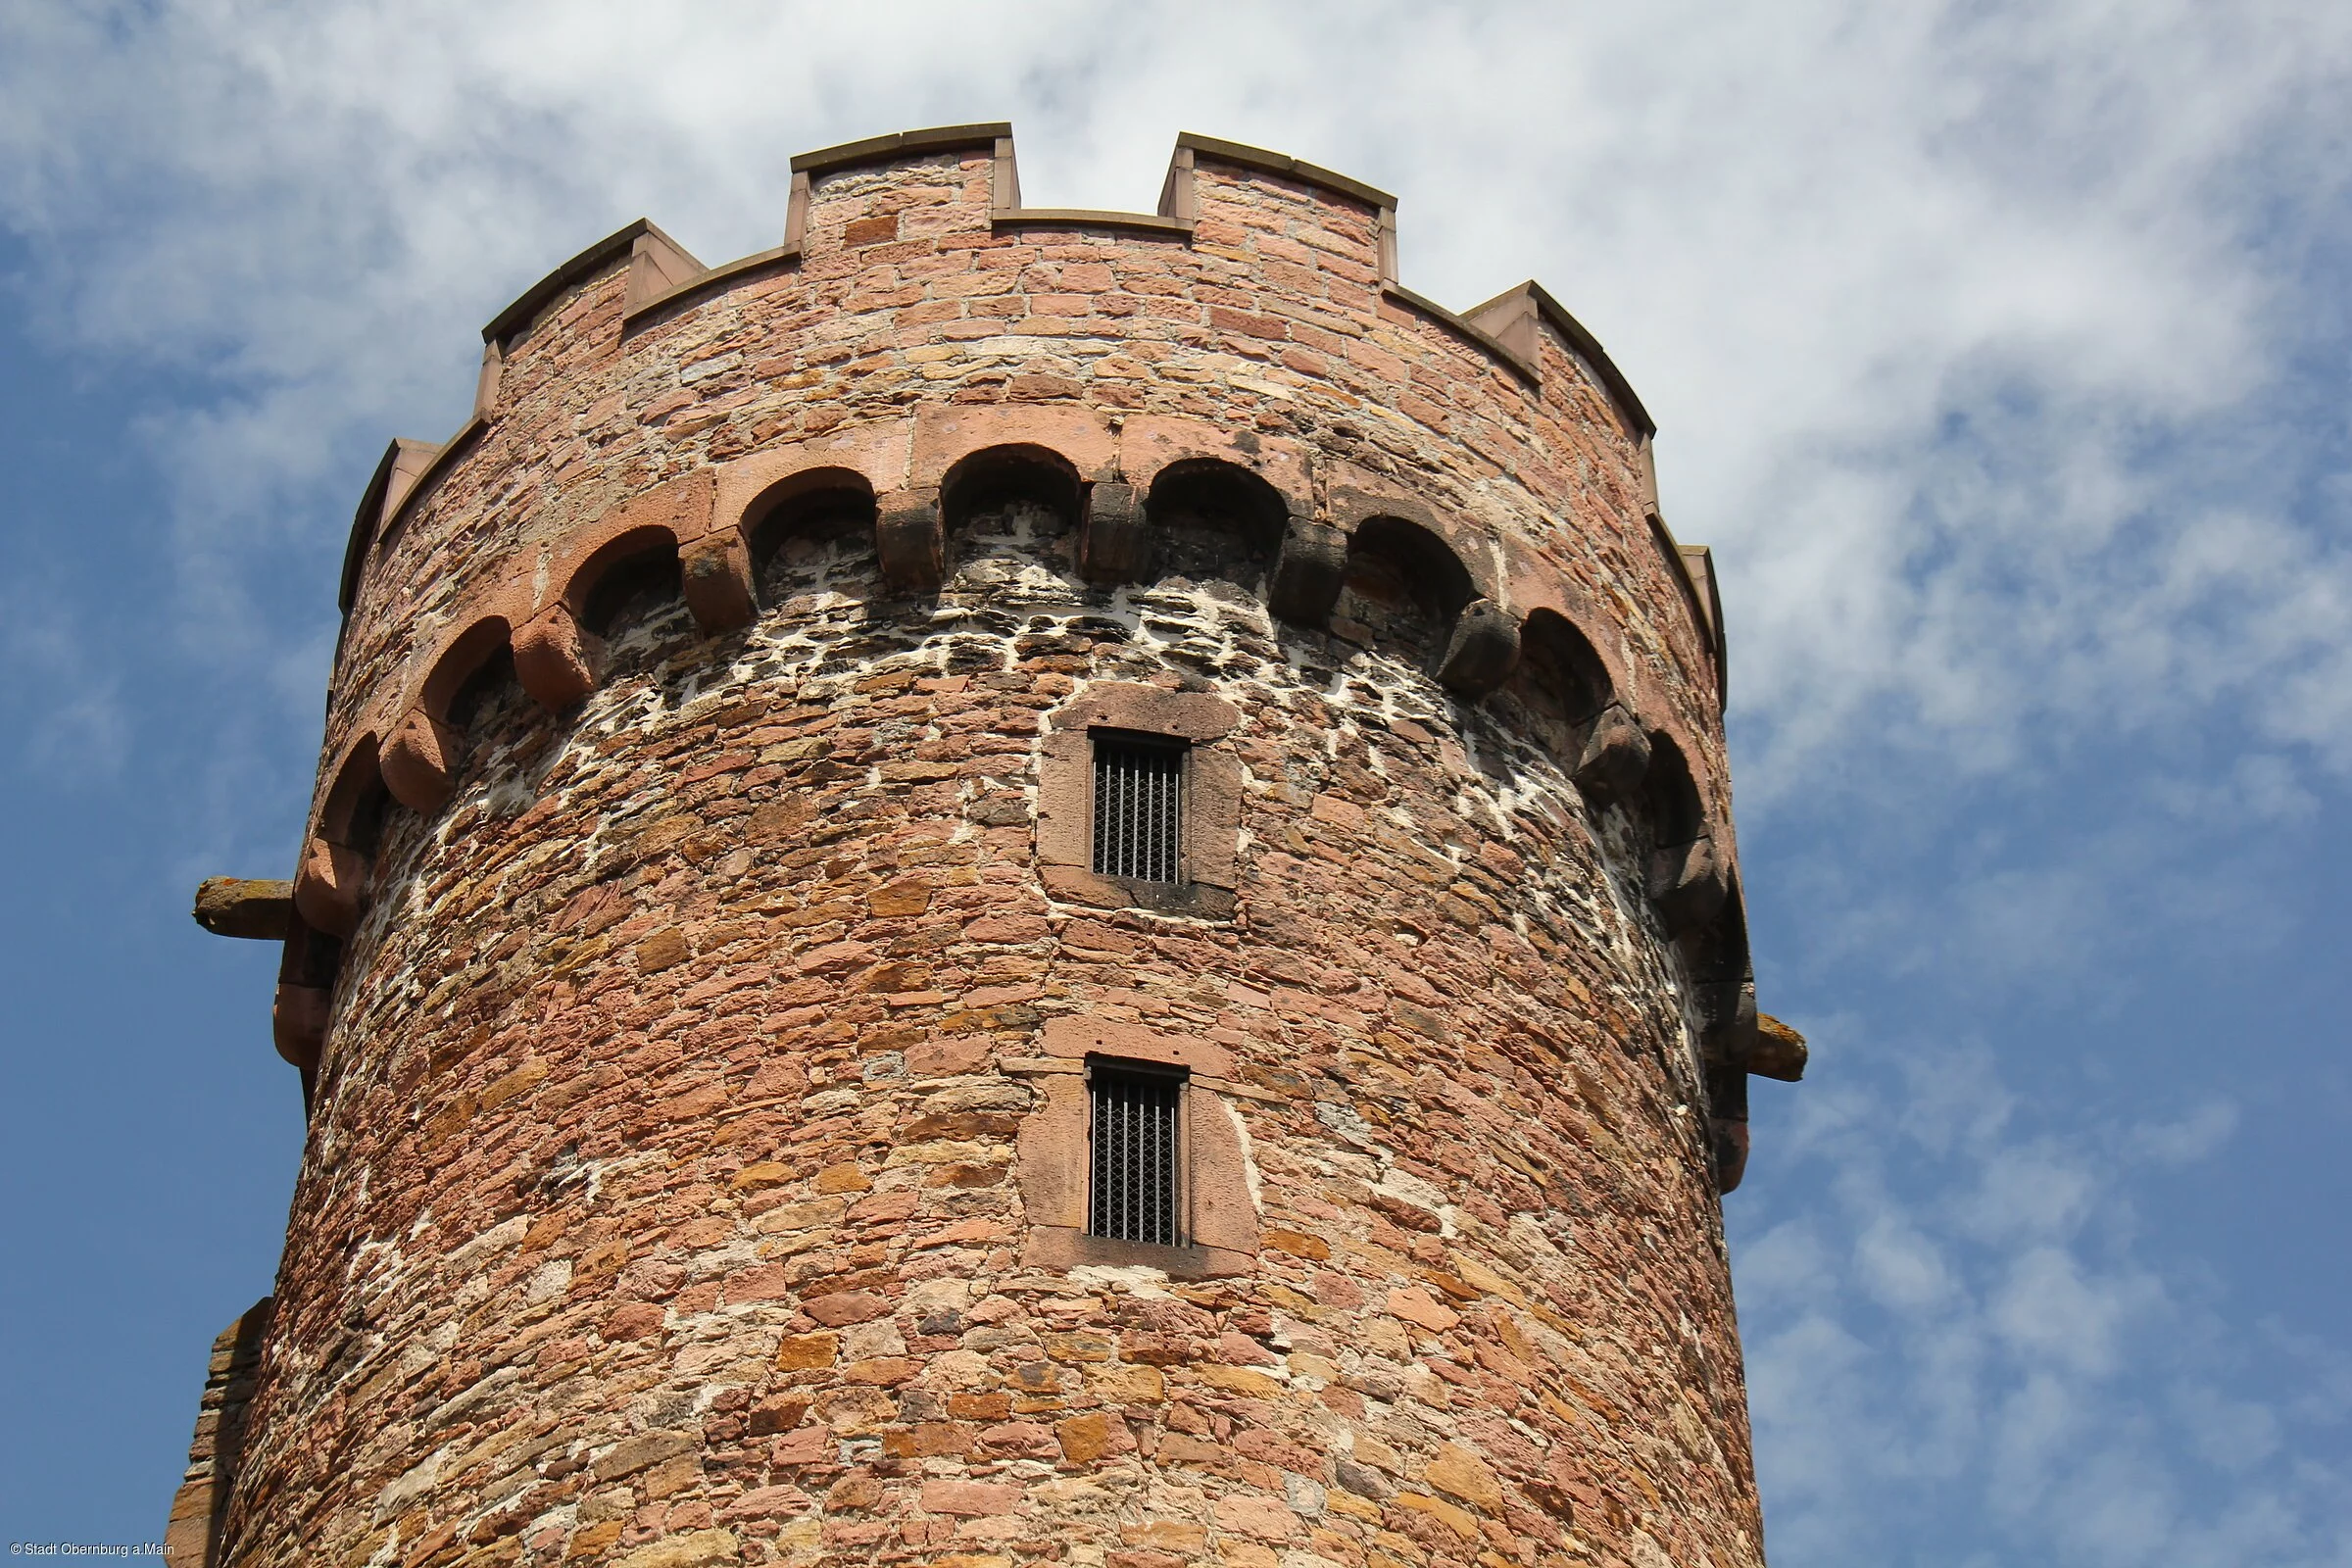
x,y
1134,1161
1138,807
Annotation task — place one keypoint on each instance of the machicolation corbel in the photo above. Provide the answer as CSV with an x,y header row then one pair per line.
x,y
1115,544
554,660
1482,652
1615,757
910,541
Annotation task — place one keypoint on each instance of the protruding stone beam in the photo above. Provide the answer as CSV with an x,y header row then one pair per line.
x,y
419,760
239,907
1114,540
554,661
912,544
717,570
1308,573
1615,757
1687,885
1780,1051
1483,651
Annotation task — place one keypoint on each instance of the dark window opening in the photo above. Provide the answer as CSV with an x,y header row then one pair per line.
x,y
364,829
1138,807
1134,1159
488,695
981,493
819,538
633,592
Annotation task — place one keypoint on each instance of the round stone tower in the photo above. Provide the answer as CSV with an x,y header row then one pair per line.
x,y
1013,886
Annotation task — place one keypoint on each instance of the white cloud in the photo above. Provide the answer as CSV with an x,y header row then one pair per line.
x,y
1983,339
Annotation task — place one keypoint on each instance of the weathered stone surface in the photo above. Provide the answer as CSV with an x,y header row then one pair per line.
x,y
667,1200
240,907
697,1548
1779,1052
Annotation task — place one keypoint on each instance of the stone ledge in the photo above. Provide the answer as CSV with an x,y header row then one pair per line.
x,y
1063,1248
876,149
723,275
1090,217
240,907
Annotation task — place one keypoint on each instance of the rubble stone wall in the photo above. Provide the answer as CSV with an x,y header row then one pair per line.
x,y
691,1049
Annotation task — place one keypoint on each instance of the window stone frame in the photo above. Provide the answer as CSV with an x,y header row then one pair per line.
x,y
1211,822
1052,1165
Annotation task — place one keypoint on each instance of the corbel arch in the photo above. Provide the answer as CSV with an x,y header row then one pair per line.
x,y
816,523
331,882
426,746
1687,877
1402,581
1210,519
602,580
560,651
984,485
1562,684
997,475
1406,569
1608,750
560,656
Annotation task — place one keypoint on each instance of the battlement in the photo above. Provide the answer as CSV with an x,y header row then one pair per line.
x,y
1357,237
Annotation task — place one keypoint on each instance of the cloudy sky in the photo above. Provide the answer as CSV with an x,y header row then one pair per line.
x,y
2000,351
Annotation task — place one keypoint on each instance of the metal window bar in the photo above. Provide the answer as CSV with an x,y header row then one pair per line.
x,y
1138,809
1134,1164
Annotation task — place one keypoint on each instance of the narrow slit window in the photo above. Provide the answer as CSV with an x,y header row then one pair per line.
x,y
1134,1156
1138,809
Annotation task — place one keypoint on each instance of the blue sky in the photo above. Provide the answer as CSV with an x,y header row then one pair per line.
x,y
2001,351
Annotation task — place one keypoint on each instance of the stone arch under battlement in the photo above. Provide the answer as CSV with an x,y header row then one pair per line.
x,y
717,523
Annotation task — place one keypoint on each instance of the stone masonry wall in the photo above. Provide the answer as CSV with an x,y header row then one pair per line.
x,y
665,1202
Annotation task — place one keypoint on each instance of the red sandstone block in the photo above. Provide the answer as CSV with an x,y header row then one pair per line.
x,y
846,1307
970,1499
1250,324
